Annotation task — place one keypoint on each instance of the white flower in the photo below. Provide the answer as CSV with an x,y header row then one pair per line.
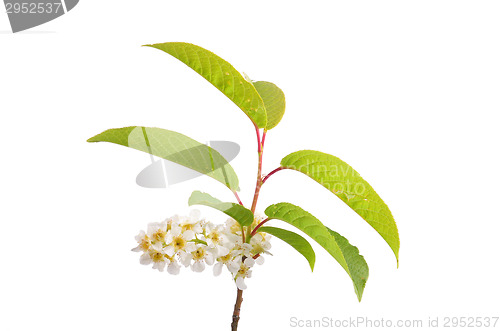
x,y
160,260
243,249
199,257
157,231
233,227
143,241
260,243
177,240
243,272
229,261
195,243
217,240
193,222
157,257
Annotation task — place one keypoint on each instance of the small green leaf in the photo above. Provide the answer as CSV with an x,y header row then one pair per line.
x,y
342,180
174,147
311,226
222,75
238,212
296,241
274,100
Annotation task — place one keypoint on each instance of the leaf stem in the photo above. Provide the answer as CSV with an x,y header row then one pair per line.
x,y
272,172
236,312
258,226
237,197
259,142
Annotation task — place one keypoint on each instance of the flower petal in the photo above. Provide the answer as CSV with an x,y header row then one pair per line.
x,y
218,269
188,235
240,282
222,251
190,247
198,266
249,262
169,250
173,268
185,258
160,265
233,267
145,259
260,260
140,236
209,258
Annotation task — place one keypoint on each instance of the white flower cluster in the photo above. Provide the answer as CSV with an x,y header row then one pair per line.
x,y
194,242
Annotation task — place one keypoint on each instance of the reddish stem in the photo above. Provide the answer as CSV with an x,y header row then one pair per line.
x,y
258,226
259,171
272,172
259,143
237,197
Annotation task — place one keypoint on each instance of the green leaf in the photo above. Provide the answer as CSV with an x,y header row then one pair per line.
x,y
274,100
174,147
238,212
222,75
355,262
339,178
311,226
296,241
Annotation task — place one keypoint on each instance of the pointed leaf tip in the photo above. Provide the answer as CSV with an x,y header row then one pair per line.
x,y
220,74
175,147
338,247
346,183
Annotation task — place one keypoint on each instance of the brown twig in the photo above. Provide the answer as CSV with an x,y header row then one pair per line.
x,y
236,312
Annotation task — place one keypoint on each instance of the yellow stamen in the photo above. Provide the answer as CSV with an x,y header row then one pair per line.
x,y
157,257
199,254
159,235
179,243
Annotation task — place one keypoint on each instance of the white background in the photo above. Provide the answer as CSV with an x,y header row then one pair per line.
x,y
407,92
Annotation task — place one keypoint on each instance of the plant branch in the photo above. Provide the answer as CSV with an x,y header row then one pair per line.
x,y
272,172
236,312
259,171
258,226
